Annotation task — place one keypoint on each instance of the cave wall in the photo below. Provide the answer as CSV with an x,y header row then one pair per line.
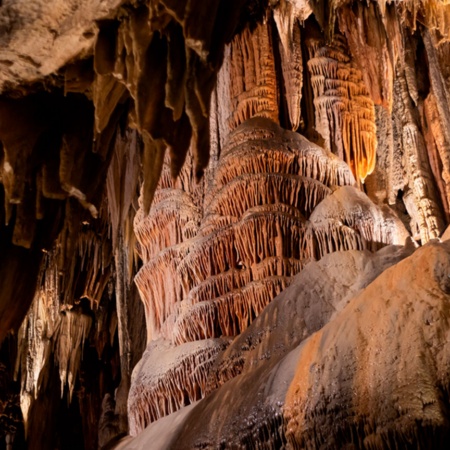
x,y
172,168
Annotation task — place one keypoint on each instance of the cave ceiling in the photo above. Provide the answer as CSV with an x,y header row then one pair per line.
x,y
238,203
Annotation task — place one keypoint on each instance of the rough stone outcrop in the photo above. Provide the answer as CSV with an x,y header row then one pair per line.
x,y
326,388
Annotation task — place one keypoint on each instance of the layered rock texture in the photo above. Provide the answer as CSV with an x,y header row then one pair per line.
x,y
268,211
339,375
222,224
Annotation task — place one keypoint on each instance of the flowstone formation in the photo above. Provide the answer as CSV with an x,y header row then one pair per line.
x,y
323,387
218,265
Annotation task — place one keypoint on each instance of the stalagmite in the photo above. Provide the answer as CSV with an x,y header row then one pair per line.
x,y
414,407
330,373
439,153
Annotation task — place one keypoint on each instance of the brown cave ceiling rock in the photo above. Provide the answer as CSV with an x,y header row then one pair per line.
x,y
40,38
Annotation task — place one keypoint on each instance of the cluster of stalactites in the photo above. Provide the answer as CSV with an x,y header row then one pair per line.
x,y
256,232
177,380
253,82
249,83
77,269
435,14
49,330
162,242
165,56
55,133
345,114
35,340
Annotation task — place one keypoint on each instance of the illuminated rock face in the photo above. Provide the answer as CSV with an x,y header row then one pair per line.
x,y
262,222
348,350
345,113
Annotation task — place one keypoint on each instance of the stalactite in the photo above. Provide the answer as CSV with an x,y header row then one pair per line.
x,y
221,106
107,93
253,87
34,341
345,115
176,380
422,203
375,49
260,146
292,67
160,287
72,333
434,14
250,190
17,148
121,184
